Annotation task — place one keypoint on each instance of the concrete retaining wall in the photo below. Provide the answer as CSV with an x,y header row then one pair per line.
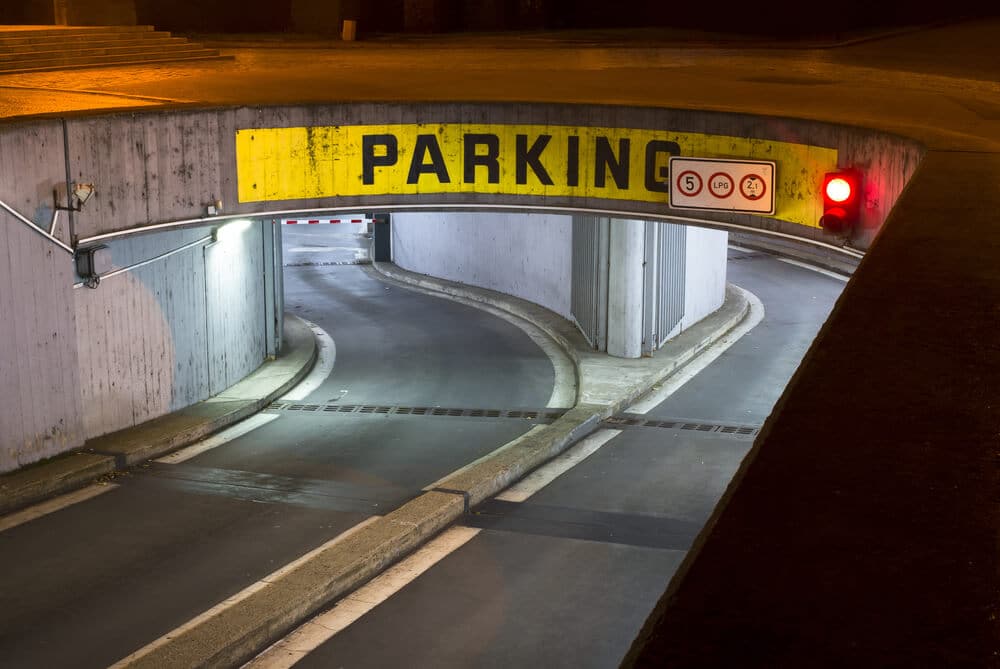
x,y
528,256
166,166
705,284
171,333
40,415
79,363
73,362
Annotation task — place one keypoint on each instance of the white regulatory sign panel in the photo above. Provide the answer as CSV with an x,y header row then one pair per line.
x,y
728,185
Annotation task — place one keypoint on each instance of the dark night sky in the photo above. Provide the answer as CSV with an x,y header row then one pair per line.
x,y
774,18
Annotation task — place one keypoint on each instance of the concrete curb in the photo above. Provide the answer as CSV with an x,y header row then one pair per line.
x,y
35,483
126,448
241,630
238,632
602,380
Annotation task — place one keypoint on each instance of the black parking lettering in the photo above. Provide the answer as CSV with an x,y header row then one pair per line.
x,y
658,173
605,160
427,146
525,156
490,160
370,160
573,161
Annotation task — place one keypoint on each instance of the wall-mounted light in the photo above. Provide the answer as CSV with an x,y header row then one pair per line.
x,y
231,230
213,208
81,193
91,263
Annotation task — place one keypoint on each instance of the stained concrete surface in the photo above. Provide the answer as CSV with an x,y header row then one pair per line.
x,y
567,577
111,574
945,97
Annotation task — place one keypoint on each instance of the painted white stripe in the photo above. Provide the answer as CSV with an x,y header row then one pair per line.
x,y
704,359
824,272
314,633
54,504
333,221
218,439
545,475
321,370
319,630
238,597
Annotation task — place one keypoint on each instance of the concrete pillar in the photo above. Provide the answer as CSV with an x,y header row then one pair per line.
x,y
323,16
428,16
484,15
625,287
94,12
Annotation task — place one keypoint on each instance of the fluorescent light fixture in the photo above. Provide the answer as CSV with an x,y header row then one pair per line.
x,y
232,230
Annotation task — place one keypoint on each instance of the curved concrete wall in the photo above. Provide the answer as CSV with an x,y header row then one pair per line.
x,y
531,256
705,284
153,339
75,359
161,167
528,256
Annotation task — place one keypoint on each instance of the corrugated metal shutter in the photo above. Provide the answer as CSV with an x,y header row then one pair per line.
x,y
672,266
589,295
664,288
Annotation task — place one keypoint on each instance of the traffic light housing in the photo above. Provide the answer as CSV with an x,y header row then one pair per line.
x,y
841,201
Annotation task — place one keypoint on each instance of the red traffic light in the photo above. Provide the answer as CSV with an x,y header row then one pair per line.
x,y
841,200
838,189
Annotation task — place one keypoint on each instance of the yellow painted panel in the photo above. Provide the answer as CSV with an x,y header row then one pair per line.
x,y
536,160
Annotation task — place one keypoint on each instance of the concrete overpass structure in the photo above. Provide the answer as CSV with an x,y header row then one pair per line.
x,y
167,179
827,498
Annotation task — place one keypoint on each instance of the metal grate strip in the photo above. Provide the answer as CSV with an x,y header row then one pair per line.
x,y
539,415
636,420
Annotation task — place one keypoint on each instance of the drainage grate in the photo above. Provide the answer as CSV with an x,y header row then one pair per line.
x,y
536,415
634,420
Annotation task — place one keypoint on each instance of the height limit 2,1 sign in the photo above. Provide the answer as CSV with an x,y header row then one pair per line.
x,y
727,185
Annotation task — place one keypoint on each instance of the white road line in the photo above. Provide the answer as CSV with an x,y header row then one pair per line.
x,y
218,439
238,597
824,272
314,633
323,368
319,630
546,474
704,359
53,505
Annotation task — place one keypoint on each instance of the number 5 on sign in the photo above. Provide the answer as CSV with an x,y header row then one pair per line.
x,y
689,183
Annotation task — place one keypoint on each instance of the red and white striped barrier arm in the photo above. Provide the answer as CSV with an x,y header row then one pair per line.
x,y
317,221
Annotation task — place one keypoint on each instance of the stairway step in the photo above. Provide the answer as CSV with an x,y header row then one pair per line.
x,y
29,42
37,48
36,31
110,61
93,50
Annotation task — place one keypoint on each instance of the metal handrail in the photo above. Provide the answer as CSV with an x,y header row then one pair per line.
x,y
52,238
149,261
665,218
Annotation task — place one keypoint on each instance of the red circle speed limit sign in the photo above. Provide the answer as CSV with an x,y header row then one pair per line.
x,y
752,187
720,185
689,183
